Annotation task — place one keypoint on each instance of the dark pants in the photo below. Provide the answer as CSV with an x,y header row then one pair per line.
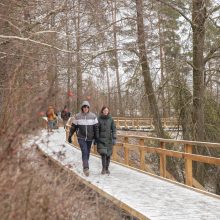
x,y
85,147
105,161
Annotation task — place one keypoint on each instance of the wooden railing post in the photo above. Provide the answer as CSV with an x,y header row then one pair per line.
x,y
67,134
126,150
162,161
138,123
133,124
188,166
126,125
114,152
142,154
95,149
74,137
117,123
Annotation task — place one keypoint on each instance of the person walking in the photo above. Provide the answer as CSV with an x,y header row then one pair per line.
x,y
65,115
106,138
85,125
51,118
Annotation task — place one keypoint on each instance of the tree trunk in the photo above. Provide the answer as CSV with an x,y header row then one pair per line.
x,y
69,63
146,71
162,69
198,20
198,24
119,103
78,58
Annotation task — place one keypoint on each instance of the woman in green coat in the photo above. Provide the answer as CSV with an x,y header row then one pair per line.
x,y
107,138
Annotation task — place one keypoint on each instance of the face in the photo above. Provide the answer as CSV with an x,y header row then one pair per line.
x,y
105,111
85,108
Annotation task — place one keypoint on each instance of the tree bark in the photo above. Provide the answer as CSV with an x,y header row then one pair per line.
x,y
198,25
198,21
146,71
119,103
78,58
162,69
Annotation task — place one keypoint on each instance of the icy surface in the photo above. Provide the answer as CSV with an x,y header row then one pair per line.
x,y
155,198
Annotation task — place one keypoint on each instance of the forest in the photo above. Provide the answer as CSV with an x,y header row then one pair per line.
x,y
143,58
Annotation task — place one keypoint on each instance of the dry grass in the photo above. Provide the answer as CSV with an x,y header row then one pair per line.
x,y
33,187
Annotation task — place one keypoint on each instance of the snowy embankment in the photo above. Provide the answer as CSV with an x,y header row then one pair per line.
x,y
144,196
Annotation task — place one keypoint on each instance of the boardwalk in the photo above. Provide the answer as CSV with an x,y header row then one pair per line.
x,y
149,197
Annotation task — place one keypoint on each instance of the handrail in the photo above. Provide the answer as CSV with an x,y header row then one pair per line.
x,y
126,122
207,144
161,150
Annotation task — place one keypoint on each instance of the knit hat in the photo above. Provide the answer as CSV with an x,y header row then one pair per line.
x,y
85,103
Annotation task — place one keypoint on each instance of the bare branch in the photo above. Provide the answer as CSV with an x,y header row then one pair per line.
x,y
34,41
214,48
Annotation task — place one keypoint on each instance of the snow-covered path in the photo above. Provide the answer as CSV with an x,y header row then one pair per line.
x,y
148,195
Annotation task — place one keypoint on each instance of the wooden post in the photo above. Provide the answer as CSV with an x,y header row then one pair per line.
x,y
126,154
142,158
126,150
117,123
95,149
162,161
188,166
133,125
114,152
67,133
142,154
126,125
138,123
74,137
141,141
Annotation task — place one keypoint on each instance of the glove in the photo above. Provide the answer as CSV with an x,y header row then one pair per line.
x,y
70,139
95,142
114,141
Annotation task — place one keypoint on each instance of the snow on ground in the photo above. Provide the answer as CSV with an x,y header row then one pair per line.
x,y
153,197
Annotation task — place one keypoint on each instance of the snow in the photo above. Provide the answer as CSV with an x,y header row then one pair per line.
x,y
151,196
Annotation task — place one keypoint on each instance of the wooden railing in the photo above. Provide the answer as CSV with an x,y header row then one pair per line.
x,y
180,149
138,123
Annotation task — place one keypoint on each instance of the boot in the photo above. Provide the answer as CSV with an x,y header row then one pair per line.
x,y
103,164
86,171
107,164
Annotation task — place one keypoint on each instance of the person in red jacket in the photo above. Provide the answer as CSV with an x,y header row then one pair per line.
x,y
51,118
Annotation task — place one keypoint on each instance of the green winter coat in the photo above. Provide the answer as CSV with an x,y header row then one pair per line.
x,y
107,132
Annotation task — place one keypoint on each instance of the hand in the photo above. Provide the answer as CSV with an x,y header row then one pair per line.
x,y
95,142
70,139
114,141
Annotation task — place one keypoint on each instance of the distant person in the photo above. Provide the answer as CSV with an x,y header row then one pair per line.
x,y
106,138
85,125
65,115
51,118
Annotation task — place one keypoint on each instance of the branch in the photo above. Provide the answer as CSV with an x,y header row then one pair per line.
x,y
214,48
177,10
35,42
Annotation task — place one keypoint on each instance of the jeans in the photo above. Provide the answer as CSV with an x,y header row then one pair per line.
x,y
85,147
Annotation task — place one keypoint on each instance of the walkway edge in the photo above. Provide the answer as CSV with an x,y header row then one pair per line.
x,y
117,202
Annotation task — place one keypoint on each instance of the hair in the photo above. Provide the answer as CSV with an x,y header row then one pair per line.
x,y
104,107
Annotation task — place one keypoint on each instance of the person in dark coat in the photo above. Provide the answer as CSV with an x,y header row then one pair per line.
x,y
107,138
65,115
85,125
